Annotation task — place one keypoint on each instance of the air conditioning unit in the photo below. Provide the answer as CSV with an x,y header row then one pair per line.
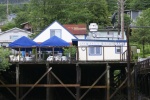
x,y
93,27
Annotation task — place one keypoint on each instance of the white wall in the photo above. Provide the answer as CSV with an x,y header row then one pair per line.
x,y
107,53
103,35
46,33
5,36
80,36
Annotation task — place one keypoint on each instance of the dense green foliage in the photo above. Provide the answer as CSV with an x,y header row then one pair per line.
x,y
112,6
4,59
142,33
139,4
44,12
2,12
41,13
72,50
8,26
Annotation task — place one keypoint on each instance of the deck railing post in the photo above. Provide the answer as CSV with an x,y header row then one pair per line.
x,y
36,54
86,54
53,53
103,53
70,54
19,55
77,50
120,52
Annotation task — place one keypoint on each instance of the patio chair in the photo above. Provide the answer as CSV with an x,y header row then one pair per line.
x,y
50,58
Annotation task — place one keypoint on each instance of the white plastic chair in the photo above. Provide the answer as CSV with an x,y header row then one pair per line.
x,y
64,58
50,58
11,57
57,58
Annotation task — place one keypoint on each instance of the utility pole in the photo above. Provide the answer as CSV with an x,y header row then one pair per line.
x,y
7,10
128,64
119,10
122,2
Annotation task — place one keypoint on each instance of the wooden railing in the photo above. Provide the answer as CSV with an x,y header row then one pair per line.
x,y
71,54
143,65
124,55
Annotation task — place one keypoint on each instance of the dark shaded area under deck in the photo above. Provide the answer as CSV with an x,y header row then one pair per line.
x,y
67,73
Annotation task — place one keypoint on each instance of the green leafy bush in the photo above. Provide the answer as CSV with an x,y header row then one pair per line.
x,y
71,50
4,58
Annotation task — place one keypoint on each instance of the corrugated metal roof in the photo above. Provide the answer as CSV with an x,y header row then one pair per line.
x,y
76,29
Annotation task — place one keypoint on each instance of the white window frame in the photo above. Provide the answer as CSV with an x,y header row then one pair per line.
x,y
118,47
16,37
95,47
55,34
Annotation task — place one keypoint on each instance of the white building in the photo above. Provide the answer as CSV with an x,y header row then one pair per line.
x,y
95,46
11,35
55,29
101,45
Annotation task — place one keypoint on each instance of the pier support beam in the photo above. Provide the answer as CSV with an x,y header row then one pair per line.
x,y
78,81
107,83
48,82
135,83
17,81
95,82
32,87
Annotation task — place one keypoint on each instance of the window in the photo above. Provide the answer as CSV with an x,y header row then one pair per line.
x,y
55,32
118,50
111,33
95,50
14,37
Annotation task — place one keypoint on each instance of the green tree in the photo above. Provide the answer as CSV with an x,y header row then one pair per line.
x,y
139,4
21,18
44,12
112,6
22,14
4,59
8,26
99,9
141,35
142,21
70,50
2,12
127,20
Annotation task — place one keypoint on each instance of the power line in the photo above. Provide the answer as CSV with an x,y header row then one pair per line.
x,y
75,3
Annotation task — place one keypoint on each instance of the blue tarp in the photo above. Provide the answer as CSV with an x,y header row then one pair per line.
x,y
54,42
23,42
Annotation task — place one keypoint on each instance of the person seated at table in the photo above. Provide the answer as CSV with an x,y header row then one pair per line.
x,y
27,54
23,53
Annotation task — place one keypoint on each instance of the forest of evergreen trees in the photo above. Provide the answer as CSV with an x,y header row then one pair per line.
x,y
40,13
